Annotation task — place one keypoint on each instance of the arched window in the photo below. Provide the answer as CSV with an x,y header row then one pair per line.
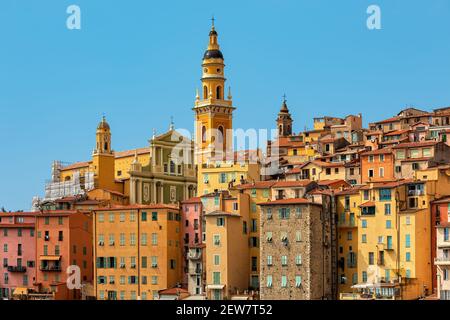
x,y
280,130
106,145
203,134
205,92
219,92
220,134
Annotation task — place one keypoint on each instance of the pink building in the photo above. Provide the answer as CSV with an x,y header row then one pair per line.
x,y
192,233
17,252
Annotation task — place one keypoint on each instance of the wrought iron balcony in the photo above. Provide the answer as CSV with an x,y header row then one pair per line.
x,y
17,269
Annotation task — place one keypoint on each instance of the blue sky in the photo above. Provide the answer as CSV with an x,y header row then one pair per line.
x,y
139,63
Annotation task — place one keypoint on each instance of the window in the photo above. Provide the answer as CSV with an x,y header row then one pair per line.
x,y
143,239
349,235
122,239
111,239
371,158
446,234
298,236
400,154
427,152
154,239
298,212
216,239
284,213
388,224
216,259
284,260
154,261
414,153
415,166
298,281
122,217
132,239
327,171
408,220
370,173
408,256
408,241
220,222
283,281
269,236
364,223
143,216
371,258
111,217
223,178
364,276
269,213
387,209
254,226
381,174
381,157
385,194
216,277
269,281
298,260
132,216
366,194
269,260
364,238
408,273
154,279
253,207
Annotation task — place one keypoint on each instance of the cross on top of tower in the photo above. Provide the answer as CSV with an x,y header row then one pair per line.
x,y
212,21
284,97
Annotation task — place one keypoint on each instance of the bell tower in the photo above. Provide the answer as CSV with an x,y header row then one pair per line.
x,y
103,157
213,111
284,120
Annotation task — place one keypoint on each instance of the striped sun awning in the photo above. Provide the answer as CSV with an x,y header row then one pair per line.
x,y
51,258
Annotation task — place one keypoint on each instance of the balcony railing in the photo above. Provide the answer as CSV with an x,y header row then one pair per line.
x,y
17,269
442,260
415,193
50,268
194,255
347,224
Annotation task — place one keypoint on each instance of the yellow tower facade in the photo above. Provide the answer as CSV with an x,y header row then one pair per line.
x,y
103,158
213,112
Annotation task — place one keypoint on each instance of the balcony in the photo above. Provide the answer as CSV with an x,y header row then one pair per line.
x,y
55,268
194,255
195,271
17,269
442,261
347,224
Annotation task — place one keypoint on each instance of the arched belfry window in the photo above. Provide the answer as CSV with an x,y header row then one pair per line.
x,y
219,92
203,134
205,92
106,145
280,130
220,134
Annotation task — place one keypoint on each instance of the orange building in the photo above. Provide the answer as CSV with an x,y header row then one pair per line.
x,y
137,251
63,239
377,165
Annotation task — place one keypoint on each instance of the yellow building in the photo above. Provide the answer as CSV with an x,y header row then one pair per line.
x,y
394,240
347,208
137,251
162,173
227,244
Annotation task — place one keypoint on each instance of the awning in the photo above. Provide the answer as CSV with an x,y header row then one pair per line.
x,y
20,291
215,286
362,286
168,297
240,298
52,258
